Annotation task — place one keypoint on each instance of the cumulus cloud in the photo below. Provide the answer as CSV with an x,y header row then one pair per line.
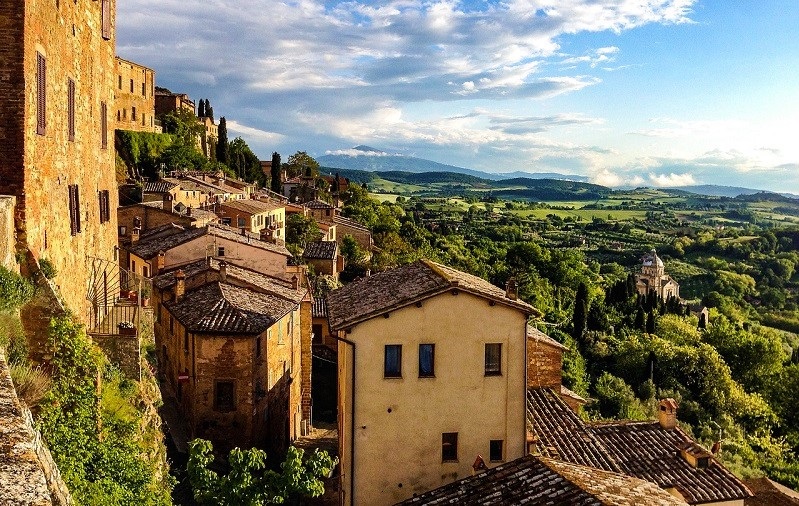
x,y
251,132
672,179
358,152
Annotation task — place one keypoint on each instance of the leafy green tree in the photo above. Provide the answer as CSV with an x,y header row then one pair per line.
x,y
184,125
245,163
14,289
249,483
181,156
301,230
222,145
299,163
616,399
275,182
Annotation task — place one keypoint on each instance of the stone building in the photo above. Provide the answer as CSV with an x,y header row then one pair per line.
x,y
257,216
432,350
323,257
208,137
231,344
57,82
135,97
166,102
653,277
545,366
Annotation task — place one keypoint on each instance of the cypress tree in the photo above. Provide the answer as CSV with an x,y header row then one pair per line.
x,y
580,312
640,321
650,323
201,109
275,182
222,145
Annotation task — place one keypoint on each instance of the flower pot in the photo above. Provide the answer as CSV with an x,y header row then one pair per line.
x,y
145,302
125,331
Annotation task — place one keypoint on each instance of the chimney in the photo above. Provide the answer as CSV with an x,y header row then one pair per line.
x,y
295,282
512,289
667,413
167,203
223,271
180,284
159,262
134,234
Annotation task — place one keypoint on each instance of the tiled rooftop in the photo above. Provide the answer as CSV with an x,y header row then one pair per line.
x,y
535,480
321,250
149,247
641,449
341,220
225,308
534,333
251,206
319,308
769,493
160,186
318,204
558,432
376,294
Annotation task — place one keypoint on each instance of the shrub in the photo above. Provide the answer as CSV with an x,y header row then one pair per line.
x,y
31,383
14,289
47,268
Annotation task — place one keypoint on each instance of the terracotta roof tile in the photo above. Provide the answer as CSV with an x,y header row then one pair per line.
x,y
374,295
160,186
149,247
648,451
558,432
321,250
318,204
769,493
534,333
319,308
535,480
346,222
251,206
225,308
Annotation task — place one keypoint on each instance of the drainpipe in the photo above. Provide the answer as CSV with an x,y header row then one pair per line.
x,y
352,419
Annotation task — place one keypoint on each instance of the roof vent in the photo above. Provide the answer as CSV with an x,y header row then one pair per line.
x,y
695,455
180,284
512,289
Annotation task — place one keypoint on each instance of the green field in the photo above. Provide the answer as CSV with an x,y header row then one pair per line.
x,y
582,214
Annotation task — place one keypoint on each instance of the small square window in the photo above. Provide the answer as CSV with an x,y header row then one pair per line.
x,y
495,450
220,251
393,361
493,364
449,447
427,355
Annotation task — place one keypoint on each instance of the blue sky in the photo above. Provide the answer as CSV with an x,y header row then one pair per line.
x,y
641,92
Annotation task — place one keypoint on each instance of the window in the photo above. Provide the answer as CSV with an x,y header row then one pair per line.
x,y
131,85
495,450
71,110
74,210
427,354
145,271
106,19
224,396
392,367
241,222
220,251
105,205
449,446
104,125
120,82
143,90
133,114
493,359
41,94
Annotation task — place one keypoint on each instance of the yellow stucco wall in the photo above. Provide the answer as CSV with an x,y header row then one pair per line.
x,y
398,452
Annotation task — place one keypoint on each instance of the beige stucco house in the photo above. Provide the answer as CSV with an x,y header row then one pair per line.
x,y
431,375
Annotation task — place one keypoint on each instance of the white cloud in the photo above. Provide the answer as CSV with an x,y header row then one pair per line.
x,y
251,132
607,178
672,179
358,152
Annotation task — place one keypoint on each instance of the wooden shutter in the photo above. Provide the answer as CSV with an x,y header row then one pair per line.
x,y
71,109
41,94
104,125
74,210
107,19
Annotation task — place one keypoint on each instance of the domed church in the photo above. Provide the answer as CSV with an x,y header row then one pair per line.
x,y
653,277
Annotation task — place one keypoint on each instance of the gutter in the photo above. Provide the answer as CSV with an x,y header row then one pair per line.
x,y
352,419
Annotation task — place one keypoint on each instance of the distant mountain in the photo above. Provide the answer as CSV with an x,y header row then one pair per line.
x,y
713,190
371,159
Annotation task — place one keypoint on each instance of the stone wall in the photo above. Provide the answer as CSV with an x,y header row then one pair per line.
x,y
122,351
135,97
7,236
39,167
28,474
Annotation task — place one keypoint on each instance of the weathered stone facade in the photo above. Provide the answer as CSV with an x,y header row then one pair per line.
x,y
544,360
7,235
57,154
135,97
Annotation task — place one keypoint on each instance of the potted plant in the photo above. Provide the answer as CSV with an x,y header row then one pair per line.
x,y
133,295
126,328
145,297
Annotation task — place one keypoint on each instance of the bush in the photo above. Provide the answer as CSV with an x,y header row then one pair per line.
x,y
31,383
14,289
47,268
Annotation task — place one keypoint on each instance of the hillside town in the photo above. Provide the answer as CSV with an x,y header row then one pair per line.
x,y
425,384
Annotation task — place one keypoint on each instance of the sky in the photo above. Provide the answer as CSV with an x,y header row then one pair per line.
x,y
625,92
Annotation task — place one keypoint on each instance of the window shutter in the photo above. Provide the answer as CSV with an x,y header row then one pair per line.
x,y
106,19
104,125
41,94
74,210
71,109
77,209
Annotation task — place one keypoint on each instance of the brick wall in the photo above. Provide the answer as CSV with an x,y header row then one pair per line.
x,y
544,364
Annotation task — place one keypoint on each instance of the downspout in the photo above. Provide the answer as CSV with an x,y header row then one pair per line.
x,y
352,419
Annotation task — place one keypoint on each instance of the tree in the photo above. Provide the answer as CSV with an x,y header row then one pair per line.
x,y
183,124
650,322
301,230
275,182
299,163
201,109
640,319
249,482
580,312
222,145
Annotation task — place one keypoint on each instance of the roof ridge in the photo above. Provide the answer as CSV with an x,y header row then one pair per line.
x,y
437,269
